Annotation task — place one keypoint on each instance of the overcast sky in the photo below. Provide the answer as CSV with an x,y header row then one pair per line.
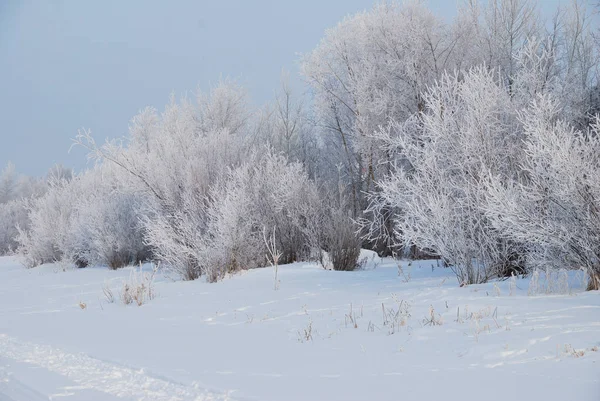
x,y
70,64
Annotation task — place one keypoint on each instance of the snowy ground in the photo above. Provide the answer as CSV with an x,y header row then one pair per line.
x,y
321,336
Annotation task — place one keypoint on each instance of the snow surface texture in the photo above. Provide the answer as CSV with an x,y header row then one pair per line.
x,y
324,335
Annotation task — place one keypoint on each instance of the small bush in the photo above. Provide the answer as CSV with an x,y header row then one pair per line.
x,y
342,243
139,288
12,215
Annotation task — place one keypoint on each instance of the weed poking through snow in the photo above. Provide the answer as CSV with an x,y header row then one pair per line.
x,y
306,334
108,294
139,288
351,317
393,319
432,319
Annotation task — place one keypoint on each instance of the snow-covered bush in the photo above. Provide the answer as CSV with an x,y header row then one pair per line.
x,y
12,215
341,241
177,218
89,219
48,237
209,190
266,193
468,131
106,227
555,207
14,190
174,159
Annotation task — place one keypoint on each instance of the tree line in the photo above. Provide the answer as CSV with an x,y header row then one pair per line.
x,y
475,141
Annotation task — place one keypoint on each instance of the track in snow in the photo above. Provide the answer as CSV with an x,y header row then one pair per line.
x,y
90,374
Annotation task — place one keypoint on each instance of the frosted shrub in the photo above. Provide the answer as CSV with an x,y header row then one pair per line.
x,y
15,190
468,128
86,220
174,159
107,227
555,208
265,193
47,239
341,241
208,194
12,215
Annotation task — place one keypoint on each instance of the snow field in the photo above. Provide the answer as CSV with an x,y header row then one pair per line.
x,y
324,335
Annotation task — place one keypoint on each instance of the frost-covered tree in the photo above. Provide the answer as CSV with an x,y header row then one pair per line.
x,y
285,125
507,26
225,107
371,71
294,130
578,58
371,68
58,173
413,126
566,54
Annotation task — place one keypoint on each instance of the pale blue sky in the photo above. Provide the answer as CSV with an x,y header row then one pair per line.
x,y
67,64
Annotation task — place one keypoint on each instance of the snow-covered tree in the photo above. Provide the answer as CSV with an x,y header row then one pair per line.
x,y
224,107
369,69
507,27
211,185
414,133
286,126
579,62
59,173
